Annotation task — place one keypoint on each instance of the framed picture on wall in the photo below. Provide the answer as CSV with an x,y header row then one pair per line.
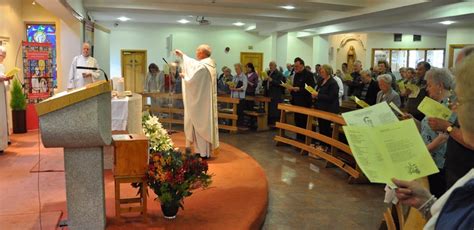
x,y
453,53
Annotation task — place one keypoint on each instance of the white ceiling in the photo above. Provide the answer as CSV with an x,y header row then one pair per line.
x,y
320,16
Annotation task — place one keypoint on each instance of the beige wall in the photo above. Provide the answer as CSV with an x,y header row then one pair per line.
x,y
11,27
15,14
458,36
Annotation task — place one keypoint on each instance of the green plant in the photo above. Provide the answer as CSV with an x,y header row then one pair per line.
x,y
18,98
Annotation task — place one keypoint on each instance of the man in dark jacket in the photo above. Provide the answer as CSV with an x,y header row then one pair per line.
x,y
413,102
273,89
300,96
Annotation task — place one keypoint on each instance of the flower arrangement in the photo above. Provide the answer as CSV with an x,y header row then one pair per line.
x,y
172,175
160,141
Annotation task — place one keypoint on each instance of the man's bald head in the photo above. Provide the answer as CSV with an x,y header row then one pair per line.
x,y
86,47
203,51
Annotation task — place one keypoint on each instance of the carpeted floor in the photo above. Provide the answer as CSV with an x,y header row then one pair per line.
x,y
237,198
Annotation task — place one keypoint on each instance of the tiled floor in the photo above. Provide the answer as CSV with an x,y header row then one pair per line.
x,y
306,195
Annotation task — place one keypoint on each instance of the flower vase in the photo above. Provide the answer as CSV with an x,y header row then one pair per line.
x,y
170,210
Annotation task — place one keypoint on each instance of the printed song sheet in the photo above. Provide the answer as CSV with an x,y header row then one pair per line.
x,y
375,115
432,108
393,150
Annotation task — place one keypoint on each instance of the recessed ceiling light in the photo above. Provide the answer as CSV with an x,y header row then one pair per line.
x,y
447,22
288,7
183,21
252,27
238,24
123,19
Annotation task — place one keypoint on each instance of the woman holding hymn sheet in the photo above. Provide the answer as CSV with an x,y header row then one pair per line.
x,y
455,208
200,101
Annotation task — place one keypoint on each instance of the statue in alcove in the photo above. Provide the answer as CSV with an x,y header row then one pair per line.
x,y
351,58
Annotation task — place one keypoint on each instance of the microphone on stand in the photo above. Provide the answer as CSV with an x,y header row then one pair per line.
x,y
93,68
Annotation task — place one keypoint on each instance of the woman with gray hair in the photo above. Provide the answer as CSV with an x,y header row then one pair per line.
x,y
387,93
439,83
454,209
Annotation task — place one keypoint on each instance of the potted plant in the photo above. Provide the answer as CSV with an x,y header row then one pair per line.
x,y
172,175
18,106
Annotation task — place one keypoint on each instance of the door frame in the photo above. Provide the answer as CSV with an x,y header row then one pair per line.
x,y
145,67
259,53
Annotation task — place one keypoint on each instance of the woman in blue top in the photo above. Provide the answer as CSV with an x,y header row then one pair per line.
x,y
439,83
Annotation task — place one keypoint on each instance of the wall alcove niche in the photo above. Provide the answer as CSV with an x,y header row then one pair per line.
x,y
355,45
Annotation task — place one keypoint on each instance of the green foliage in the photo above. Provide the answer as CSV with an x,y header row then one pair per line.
x,y
18,98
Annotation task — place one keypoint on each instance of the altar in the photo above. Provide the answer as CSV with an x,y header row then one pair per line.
x,y
127,114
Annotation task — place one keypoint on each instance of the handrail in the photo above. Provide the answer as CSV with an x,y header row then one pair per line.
x,y
340,153
313,112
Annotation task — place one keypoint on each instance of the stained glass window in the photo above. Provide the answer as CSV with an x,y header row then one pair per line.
x,y
44,33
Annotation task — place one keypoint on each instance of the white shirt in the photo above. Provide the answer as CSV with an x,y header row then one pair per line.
x,y
341,88
439,204
76,80
3,112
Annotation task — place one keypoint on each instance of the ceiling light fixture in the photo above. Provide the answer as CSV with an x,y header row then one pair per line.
x,y
447,22
33,3
252,27
183,21
123,19
238,24
288,7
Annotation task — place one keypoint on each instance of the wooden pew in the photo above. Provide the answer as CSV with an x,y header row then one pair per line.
x,y
340,153
176,115
228,114
262,117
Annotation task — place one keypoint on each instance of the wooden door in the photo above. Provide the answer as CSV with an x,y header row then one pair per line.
x,y
255,58
134,69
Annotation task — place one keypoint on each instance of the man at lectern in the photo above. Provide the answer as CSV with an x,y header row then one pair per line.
x,y
200,101
81,77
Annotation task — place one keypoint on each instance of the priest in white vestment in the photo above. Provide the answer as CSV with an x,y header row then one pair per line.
x,y
81,77
3,102
200,101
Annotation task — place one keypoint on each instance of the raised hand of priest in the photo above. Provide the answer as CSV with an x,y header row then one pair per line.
x,y
179,53
314,95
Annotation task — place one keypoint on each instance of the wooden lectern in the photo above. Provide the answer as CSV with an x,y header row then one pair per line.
x,y
80,122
